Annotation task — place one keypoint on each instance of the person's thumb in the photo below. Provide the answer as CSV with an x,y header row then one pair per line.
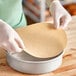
x,y
19,42
56,21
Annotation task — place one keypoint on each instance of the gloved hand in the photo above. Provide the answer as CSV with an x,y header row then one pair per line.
x,y
60,15
9,39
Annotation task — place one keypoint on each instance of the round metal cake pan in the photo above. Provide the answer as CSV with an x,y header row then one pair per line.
x,y
26,63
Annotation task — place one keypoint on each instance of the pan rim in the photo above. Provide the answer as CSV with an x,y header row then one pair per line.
x,y
41,61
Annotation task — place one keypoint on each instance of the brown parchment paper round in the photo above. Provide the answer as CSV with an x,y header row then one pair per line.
x,y
42,40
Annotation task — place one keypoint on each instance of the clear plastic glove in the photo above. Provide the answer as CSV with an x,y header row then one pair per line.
x,y
60,15
9,39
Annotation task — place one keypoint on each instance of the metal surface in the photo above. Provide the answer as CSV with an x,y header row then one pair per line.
x,y
26,63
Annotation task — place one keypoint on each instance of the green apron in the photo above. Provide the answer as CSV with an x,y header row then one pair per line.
x,y
12,13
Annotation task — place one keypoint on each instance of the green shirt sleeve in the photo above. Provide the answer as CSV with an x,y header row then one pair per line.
x,y
12,13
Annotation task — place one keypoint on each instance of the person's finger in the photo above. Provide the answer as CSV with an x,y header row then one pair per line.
x,y
19,42
62,21
66,20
